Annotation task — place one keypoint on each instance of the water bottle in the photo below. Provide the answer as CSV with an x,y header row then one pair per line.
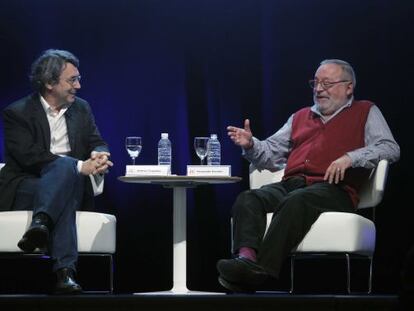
x,y
164,150
213,150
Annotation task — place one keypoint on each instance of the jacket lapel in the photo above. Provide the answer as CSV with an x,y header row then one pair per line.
x,y
70,116
39,117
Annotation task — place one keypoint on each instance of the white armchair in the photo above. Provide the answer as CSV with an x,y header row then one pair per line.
x,y
96,234
337,232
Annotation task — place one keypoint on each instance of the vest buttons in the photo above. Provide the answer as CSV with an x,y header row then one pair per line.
x,y
307,161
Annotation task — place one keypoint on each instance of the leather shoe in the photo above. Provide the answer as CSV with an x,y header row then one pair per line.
x,y
37,235
66,283
242,271
236,288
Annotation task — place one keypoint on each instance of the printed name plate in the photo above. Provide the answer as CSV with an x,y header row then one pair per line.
x,y
209,170
148,170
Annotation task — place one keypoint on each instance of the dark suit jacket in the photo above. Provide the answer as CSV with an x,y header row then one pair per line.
x,y
27,143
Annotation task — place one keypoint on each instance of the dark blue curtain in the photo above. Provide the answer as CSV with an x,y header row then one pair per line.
x,y
190,68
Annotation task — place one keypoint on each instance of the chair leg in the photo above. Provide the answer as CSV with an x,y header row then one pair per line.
x,y
348,273
370,275
292,272
348,265
111,274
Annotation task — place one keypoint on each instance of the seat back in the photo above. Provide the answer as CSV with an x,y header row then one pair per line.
x,y
370,194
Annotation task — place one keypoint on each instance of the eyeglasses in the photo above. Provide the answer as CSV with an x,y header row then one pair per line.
x,y
324,84
73,80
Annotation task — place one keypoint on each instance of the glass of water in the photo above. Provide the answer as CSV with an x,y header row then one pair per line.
x,y
133,145
200,146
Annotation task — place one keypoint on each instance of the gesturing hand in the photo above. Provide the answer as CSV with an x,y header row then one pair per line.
x,y
241,136
336,170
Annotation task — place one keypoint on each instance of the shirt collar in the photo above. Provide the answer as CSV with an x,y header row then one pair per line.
x,y
48,109
315,109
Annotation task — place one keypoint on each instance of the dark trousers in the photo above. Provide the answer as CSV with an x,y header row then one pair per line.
x,y
296,207
58,192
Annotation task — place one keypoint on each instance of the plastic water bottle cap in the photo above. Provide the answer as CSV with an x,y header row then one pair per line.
x,y
214,136
164,135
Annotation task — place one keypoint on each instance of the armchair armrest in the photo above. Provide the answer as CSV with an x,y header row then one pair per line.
x,y
263,177
97,182
370,194
373,189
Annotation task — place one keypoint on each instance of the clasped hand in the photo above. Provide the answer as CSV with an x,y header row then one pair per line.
x,y
98,163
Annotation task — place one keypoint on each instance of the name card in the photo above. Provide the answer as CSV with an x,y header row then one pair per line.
x,y
148,170
209,170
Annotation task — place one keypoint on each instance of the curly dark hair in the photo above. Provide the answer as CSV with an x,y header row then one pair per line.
x,y
48,67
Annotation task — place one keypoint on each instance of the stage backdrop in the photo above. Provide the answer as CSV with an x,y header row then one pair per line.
x,y
190,68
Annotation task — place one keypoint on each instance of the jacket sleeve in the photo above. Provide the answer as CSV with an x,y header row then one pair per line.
x,y
21,142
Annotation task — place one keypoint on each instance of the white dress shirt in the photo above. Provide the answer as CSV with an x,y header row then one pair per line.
x,y
59,139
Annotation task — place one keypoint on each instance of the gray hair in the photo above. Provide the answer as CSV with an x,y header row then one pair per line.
x,y
46,69
346,68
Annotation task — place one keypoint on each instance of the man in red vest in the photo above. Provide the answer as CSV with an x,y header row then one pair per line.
x,y
325,149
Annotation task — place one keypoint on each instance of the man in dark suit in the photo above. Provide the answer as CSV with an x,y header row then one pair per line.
x,y
51,145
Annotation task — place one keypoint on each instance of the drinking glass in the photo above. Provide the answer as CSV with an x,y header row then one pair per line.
x,y
133,145
200,146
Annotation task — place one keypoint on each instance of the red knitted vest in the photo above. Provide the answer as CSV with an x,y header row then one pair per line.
x,y
317,145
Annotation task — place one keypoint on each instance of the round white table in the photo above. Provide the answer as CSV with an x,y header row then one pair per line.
x,y
179,184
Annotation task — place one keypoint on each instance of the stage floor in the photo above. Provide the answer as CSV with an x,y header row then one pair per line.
x,y
258,301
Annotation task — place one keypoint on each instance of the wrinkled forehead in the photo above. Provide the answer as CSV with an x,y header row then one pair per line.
x,y
329,72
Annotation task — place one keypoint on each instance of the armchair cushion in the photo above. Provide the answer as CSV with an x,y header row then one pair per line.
x,y
96,231
348,233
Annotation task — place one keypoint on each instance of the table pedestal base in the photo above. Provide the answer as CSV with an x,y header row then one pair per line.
x,y
179,184
180,248
179,292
